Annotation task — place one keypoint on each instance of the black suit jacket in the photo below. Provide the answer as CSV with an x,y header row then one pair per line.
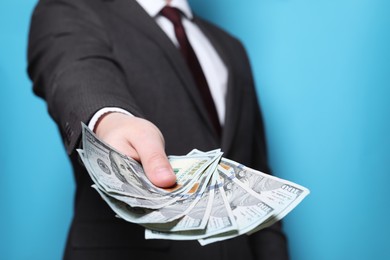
x,y
88,54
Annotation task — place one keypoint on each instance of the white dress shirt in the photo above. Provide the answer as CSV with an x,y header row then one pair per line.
x,y
213,67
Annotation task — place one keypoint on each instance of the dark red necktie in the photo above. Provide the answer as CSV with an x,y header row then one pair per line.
x,y
174,15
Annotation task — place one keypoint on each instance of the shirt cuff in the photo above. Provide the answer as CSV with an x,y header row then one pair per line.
x,y
103,111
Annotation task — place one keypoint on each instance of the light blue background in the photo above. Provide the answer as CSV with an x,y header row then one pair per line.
x,y
322,72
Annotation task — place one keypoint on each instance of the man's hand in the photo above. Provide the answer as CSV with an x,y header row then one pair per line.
x,y
140,140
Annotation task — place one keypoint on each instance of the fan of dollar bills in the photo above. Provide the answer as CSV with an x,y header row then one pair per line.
x,y
214,198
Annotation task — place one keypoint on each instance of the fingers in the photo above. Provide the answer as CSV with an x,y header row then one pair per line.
x,y
141,140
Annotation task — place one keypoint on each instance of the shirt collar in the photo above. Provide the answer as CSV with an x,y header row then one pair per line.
x,y
153,7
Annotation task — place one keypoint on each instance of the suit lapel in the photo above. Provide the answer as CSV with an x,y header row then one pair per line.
x,y
233,96
137,17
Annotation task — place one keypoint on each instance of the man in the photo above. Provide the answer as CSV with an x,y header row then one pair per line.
x,y
117,66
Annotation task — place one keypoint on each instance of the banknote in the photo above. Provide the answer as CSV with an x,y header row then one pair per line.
x,y
220,220
127,188
131,201
141,215
117,173
249,209
282,195
112,170
197,216
195,219
214,198
188,169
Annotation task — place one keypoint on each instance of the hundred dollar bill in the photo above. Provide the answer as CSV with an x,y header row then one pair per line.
x,y
221,219
199,210
142,215
215,152
140,202
119,174
147,217
112,171
189,199
192,220
282,195
247,206
126,184
131,201
188,169
214,198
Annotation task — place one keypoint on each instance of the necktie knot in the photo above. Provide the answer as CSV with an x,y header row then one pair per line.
x,y
173,14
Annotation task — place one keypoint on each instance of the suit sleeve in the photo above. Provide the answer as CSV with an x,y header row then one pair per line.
x,y
72,66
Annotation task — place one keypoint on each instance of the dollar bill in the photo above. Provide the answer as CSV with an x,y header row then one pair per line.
x,y
195,219
198,212
188,170
282,195
146,216
112,170
214,198
127,187
140,215
220,220
117,173
249,210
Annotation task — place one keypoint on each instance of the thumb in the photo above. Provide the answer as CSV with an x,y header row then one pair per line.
x,y
158,169
155,162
